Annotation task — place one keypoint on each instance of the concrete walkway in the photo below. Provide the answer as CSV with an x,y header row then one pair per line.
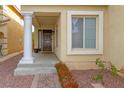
x,y
43,63
46,81
8,80
40,58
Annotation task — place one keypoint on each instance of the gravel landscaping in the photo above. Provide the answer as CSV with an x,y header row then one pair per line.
x,y
7,78
83,77
84,80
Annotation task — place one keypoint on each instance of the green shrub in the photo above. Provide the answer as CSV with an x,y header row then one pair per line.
x,y
100,64
99,75
114,70
1,7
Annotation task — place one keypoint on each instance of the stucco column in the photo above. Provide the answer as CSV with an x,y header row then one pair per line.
x,y
27,58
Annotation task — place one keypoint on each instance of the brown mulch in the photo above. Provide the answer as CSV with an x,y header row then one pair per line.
x,y
65,76
84,80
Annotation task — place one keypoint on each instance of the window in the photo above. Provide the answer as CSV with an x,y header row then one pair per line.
x,y
85,32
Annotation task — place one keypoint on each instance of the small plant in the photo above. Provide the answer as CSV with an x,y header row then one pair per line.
x,y
100,64
114,70
1,7
99,76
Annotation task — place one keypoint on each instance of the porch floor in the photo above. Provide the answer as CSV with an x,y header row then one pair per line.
x,y
43,63
48,59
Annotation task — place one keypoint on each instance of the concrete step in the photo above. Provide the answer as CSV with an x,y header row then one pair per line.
x,y
34,70
35,65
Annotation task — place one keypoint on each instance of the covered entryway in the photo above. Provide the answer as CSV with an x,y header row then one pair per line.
x,y
46,31
47,40
44,39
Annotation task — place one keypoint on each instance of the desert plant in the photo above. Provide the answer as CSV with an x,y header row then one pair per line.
x,y
99,75
100,64
114,70
1,7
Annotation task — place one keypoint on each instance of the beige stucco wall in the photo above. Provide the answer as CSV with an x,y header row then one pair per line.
x,y
82,58
58,38
115,45
113,33
15,36
35,37
13,31
62,48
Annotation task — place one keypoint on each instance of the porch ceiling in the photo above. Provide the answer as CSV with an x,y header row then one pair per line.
x,y
47,18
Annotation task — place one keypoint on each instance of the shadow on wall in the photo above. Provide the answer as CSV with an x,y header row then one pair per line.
x,y
1,35
1,39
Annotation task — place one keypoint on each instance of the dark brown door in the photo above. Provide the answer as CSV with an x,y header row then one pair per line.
x,y
47,40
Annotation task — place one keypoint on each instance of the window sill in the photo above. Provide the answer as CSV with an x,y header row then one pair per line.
x,y
85,52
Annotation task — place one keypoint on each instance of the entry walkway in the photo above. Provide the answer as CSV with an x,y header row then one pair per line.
x,y
9,80
41,58
43,63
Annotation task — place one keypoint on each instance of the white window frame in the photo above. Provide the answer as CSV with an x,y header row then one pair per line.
x,y
78,51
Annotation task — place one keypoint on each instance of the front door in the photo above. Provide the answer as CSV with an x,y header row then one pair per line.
x,y
47,40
